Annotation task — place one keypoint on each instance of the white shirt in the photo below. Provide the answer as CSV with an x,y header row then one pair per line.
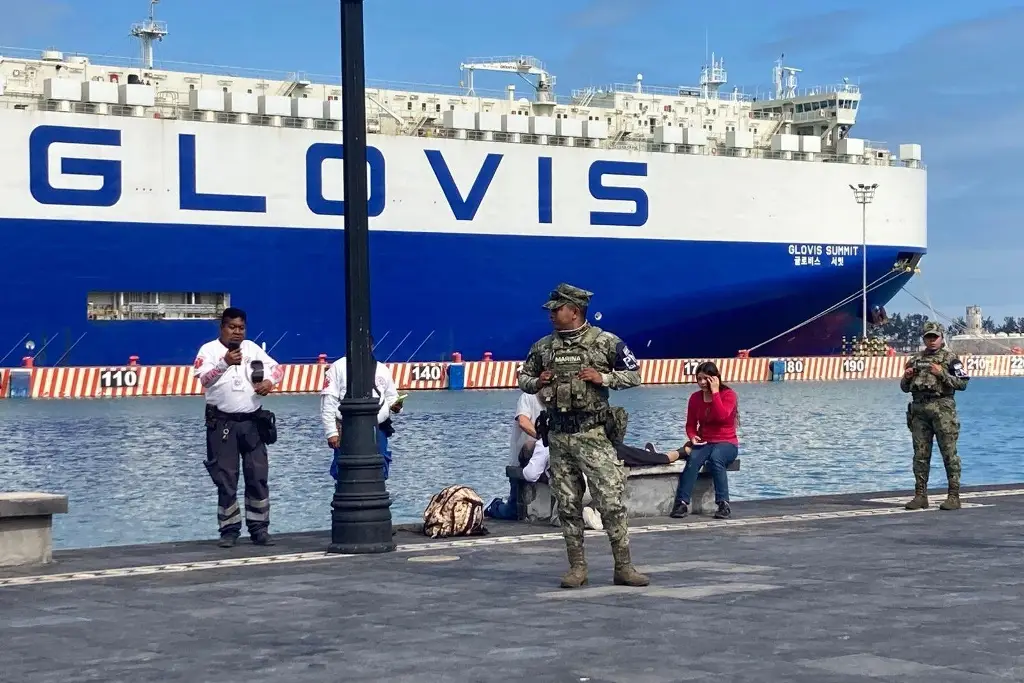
x,y
229,387
529,406
538,462
335,385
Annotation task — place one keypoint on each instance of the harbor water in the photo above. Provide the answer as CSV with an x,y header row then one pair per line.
x,y
132,468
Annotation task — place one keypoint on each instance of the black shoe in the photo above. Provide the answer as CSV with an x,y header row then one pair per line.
x,y
228,540
650,447
724,511
680,510
261,537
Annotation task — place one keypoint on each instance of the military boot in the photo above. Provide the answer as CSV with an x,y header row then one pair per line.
x,y
577,574
625,573
952,501
918,502
920,499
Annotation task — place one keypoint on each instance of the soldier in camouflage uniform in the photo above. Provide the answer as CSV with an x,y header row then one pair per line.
x,y
931,377
572,371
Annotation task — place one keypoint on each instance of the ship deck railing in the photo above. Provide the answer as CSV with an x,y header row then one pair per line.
x,y
874,153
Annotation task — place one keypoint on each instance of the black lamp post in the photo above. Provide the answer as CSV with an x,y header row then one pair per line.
x,y
361,509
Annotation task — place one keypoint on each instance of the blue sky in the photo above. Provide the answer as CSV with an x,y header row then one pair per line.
x,y
943,74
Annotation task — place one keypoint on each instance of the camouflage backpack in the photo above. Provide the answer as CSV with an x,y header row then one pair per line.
x,y
454,511
615,424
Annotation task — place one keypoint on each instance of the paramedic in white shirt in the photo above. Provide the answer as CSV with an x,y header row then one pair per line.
x,y
335,385
236,374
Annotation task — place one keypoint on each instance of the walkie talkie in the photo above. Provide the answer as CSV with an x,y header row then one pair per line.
x,y
257,371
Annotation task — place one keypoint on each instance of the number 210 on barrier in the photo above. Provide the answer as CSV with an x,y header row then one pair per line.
x,y
427,372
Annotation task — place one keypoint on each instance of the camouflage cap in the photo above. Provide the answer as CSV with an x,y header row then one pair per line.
x,y
567,294
931,327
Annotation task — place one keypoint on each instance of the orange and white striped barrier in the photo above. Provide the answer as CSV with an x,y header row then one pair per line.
x,y
145,380
493,374
419,375
684,371
994,366
830,368
302,379
114,382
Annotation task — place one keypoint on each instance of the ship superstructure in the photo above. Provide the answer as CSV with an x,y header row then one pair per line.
x,y
464,184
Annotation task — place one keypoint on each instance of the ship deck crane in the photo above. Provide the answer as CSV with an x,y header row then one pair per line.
x,y
522,65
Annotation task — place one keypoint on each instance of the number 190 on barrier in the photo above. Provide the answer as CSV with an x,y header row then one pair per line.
x,y
121,378
427,372
854,365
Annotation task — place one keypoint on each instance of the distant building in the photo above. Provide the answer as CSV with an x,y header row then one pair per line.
x,y
976,341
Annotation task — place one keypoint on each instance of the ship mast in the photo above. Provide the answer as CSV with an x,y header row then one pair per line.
x,y
149,31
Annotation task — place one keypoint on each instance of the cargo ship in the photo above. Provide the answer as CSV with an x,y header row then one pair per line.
x,y
138,200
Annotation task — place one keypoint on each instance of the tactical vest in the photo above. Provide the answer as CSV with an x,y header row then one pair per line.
x,y
567,393
924,382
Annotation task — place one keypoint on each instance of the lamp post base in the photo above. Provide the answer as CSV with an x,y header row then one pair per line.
x,y
361,509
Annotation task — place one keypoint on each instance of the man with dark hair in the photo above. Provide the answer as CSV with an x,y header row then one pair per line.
x,y
236,374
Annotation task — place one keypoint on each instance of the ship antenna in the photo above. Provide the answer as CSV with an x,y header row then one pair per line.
x,y
149,31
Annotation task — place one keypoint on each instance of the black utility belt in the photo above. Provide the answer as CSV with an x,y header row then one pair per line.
x,y
265,421
575,422
931,399
216,413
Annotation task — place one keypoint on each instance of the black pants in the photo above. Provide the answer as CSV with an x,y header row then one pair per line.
x,y
639,457
230,438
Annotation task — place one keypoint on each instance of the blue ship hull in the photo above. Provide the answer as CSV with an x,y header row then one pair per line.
x,y
433,293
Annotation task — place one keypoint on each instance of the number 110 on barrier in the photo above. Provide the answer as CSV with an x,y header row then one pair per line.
x,y
119,378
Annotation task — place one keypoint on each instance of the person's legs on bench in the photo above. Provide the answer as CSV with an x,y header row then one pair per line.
x,y
688,479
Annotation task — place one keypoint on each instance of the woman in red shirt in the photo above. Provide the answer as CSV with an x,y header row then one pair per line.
x,y
711,421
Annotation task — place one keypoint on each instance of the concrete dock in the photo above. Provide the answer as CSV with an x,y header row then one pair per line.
x,y
848,588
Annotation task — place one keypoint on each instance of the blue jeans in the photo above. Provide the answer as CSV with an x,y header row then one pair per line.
x,y
500,509
382,448
718,456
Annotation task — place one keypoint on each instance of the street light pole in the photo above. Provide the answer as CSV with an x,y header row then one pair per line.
x,y
361,509
864,194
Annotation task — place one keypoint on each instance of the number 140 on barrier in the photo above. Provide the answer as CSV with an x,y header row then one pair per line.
x,y
426,372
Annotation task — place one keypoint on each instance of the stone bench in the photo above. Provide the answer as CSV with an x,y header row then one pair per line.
x,y
26,526
650,492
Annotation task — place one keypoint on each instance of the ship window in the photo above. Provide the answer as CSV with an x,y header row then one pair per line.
x,y
191,86
139,306
437,107
408,105
249,91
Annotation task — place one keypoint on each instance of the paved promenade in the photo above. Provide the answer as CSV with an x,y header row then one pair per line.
x,y
839,588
